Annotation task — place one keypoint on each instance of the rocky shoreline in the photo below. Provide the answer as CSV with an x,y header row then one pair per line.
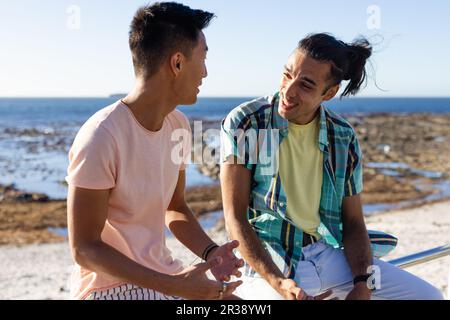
x,y
413,150
27,218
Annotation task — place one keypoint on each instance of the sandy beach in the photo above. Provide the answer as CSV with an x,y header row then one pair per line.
x,y
41,271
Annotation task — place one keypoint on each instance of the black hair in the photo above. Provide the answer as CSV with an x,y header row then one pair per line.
x,y
159,29
347,60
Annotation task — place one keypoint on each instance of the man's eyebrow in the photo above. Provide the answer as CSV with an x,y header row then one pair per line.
x,y
206,48
288,69
308,80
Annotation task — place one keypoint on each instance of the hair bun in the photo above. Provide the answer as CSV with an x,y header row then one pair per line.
x,y
348,60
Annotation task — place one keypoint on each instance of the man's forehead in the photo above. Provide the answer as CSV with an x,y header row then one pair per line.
x,y
300,62
202,41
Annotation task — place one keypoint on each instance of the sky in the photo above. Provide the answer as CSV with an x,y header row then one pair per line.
x,y
60,48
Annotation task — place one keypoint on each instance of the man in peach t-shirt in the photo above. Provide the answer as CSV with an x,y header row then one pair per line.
x,y
127,175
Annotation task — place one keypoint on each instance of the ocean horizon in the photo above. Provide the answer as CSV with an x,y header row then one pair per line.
x,y
31,111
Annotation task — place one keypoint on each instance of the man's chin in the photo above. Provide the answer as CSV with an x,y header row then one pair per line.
x,y
285,113
190,101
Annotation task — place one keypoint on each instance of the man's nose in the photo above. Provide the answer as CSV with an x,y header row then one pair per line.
x,y
291,90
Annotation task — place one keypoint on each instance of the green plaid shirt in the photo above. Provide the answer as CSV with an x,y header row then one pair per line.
x,y
342,165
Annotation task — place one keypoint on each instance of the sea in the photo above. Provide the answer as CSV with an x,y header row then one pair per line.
x,y
36,133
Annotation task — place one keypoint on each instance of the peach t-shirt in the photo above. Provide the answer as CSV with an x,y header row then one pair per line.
x,y
113,151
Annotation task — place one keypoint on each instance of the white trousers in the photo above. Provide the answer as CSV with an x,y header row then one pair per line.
x,y
325,268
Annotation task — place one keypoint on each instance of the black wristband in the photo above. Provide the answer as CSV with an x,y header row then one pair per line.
x,y
362,278
207,250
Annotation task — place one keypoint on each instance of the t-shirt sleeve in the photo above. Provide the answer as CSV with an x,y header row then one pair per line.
x,y
354,170
235,142
92,159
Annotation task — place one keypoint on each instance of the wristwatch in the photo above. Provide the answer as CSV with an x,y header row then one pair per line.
x,y
363,278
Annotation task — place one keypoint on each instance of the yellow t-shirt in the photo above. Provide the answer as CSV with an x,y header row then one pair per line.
x,y
301,165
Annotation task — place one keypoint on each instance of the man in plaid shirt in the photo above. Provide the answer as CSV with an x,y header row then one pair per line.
x,y
291,179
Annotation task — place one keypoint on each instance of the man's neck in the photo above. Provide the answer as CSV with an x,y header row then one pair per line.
x,y
149,103
307,118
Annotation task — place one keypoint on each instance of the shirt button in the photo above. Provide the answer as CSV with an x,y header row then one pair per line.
x,y
281,204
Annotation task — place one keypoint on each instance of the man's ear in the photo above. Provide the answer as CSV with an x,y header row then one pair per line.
x,y
176,63
331,92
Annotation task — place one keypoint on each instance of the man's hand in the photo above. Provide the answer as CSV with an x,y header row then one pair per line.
x,y
290,291
230,263
359,292
192,283
186,228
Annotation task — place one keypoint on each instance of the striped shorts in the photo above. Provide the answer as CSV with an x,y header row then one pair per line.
x,y
129,292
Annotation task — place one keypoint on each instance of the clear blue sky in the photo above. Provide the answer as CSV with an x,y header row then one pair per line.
x,y
249,43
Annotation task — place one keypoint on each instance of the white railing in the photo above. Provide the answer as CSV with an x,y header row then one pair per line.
x,y
421,257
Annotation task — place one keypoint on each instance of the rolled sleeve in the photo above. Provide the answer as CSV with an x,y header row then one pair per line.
x,y
238,139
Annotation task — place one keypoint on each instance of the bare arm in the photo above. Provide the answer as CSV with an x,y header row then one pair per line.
x,y
185,227
182,223
355,237
236,182
86,213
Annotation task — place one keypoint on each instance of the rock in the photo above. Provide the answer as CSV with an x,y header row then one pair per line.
x,y
384,147
39,197
362,131
9,193
23,197
10,187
